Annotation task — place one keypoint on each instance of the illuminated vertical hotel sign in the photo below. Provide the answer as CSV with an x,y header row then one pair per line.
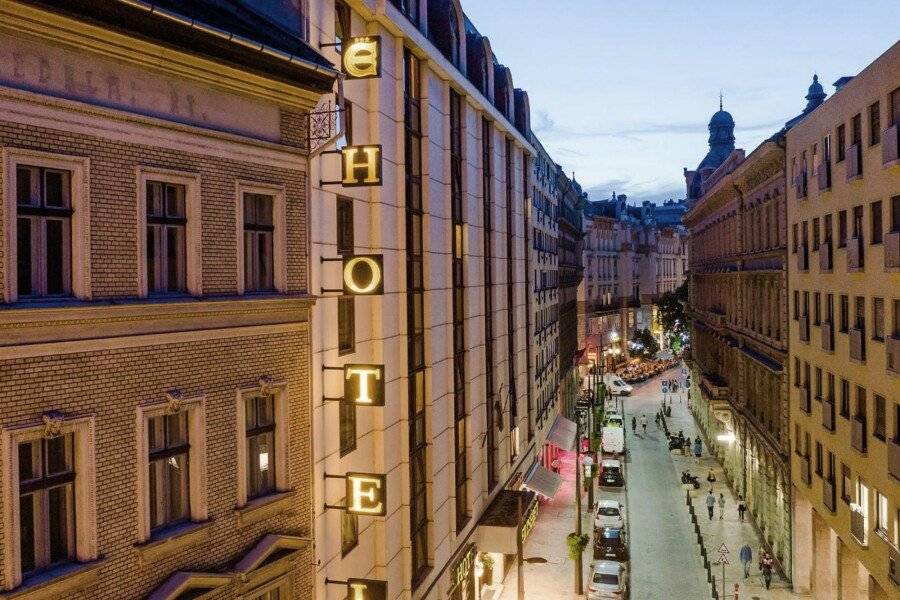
x,y
361,57
366,494
364,385
362,274
366,589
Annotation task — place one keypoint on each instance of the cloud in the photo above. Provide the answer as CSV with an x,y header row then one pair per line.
x,y
542,122
548,126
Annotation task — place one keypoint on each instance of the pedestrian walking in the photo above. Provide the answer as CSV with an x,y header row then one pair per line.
x,y
711,478
766,565
746,556
721,506
633,425
710,503
698,449
742,508
644,423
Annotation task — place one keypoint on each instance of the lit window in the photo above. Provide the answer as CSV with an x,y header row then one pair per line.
x,y
169,490
260,431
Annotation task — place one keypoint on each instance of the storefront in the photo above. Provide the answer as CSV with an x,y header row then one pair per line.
x,y
511,513
462,575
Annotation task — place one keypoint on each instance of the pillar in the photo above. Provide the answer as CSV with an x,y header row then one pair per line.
x,y
802,568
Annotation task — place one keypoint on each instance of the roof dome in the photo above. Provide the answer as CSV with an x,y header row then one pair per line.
x,y
722,118
815,96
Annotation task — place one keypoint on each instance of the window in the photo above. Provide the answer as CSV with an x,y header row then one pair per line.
x,y
815,234
874,124
259,228
346,115
796,372
858,222
410,8
796,305
43,231
817,301
826,235
895,214
877,224
841,142
881,512
169,446
262,418
260,432
842,228
347,427
46,502
894,108
342,29
845,314
346,306
845,398
795,238
880,425
288,14
349,530
846,483
487,131
166,237
45,495
345,242
172,461
817,382
878,319
860,314
455,44
819,459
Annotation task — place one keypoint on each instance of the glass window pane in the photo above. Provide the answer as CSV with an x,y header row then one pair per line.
x,y
60,522
265,409
175,259
156,439
152,253
26,532
178,487
56,189
264,260
177,429
250,282
175,200
156,487
154,199
24,256
59,454
56,255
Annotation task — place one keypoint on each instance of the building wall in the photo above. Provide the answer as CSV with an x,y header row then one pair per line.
x,y
739,332
107,352
821,416
381,325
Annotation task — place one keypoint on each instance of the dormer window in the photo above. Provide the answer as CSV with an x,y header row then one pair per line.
x,y
455,46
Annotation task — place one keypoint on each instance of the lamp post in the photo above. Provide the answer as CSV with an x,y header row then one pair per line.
x,y
578,566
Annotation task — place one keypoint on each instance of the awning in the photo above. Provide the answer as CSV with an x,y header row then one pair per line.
x,y
543,481
498,526
562,433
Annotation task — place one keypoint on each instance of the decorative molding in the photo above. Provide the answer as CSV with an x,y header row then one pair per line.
x,y
53,421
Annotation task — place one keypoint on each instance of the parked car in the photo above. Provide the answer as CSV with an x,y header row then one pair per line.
x,y
611,472
612,439
614,419
608,513
616,386
610,542
609,579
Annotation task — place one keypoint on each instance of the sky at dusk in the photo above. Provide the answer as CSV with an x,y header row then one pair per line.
x,y
622,91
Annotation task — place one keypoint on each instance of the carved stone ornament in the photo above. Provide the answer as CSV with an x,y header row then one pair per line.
x,y
174,401
53,421
266,385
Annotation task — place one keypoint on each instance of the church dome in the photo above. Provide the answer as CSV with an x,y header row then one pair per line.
x,y
722,118
815,95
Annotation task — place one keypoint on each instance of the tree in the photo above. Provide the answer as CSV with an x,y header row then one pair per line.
x,y
672,317
644,343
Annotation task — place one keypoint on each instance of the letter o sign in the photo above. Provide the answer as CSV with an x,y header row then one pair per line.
x,y
363,275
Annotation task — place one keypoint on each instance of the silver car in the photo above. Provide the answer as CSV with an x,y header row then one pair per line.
x,y
608,513
609,579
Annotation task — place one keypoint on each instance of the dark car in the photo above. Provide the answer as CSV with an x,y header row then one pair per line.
x,y
610,543
611,473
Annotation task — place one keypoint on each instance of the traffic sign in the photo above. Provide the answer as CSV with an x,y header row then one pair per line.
x,y
723,560
723,549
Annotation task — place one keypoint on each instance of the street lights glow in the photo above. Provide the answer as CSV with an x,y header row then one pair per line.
x,y
726,437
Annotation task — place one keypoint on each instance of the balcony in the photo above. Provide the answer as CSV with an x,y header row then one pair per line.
x,y
828,414
823,175
854,162
855,254
890,146
894,459
803,258
893,354
892,251
858,525
828,495
857,345
858,434
827,336
804,328
825,257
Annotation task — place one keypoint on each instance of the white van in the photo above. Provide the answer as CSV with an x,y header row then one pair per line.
x,y
613,440
616,386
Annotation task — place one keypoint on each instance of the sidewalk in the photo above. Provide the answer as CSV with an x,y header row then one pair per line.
x,y
729,530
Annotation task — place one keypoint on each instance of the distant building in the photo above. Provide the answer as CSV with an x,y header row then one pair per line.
x,y
721,145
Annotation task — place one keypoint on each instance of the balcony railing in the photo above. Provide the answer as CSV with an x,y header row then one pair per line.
x,y
804,328
894,459
823,175
858,434
828,414
894,565
828,495
893,354
803,258
890,146
892,250
827,336
854,162
825,257
855,254
857,345
858,525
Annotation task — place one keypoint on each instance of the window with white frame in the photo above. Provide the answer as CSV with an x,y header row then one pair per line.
x,y
171,464
48,496
169,236
47,237
262,430
166,237
261,238
881,512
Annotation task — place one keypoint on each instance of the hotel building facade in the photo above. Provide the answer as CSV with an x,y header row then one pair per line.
x,y
155,301
451,334
843,215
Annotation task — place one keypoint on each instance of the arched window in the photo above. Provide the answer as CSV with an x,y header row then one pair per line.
x,y
485,80
455,44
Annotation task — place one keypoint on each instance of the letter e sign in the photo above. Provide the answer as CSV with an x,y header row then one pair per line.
x,y
361,57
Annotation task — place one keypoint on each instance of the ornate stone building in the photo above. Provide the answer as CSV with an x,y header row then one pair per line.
x,y
155,301
843,216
